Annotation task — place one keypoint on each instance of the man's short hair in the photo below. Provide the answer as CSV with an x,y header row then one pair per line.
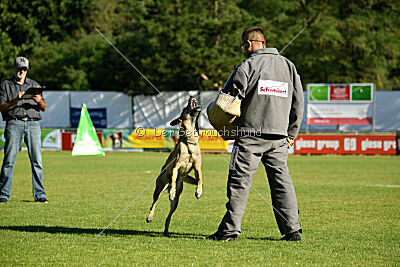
x,y
253,33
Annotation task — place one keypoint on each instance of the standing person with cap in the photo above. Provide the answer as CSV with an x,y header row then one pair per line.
x,y
22,124
271,114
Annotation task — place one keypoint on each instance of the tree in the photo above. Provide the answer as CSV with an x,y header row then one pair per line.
x,y
344,41
26,25
194,45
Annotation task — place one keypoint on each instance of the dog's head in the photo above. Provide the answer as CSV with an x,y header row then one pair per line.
x,y
188,120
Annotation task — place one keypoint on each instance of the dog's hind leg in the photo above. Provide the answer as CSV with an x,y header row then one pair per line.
x,y
161,185
174,176
190,180
174,205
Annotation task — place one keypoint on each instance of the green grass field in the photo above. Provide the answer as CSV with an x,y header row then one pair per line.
x,y
349,210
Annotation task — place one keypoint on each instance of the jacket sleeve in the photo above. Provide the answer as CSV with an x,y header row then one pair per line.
x,y
239,83
297,108
3,94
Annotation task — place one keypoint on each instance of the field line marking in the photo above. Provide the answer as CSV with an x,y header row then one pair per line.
x,y
266,200
119,214
383,185
127,60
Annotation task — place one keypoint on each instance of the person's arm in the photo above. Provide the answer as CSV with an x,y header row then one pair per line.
x,y
297,108
290,142
6,106
39,100
239,83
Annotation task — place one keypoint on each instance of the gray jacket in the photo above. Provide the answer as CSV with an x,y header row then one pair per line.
x,y
272,101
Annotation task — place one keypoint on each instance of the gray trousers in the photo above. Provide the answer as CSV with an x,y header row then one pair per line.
x,y
246,156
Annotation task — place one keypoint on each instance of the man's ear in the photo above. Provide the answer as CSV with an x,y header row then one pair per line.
x,y
175,122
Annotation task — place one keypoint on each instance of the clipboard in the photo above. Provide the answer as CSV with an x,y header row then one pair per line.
x,y
32,91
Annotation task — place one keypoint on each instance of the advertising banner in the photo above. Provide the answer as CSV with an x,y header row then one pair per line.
x,y
153,138
68,140
339,114
211,141
51,139
345,144
340,104
108,109
354,92
146,138
97,115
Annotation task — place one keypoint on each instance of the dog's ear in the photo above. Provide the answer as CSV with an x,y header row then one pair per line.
x,y
175,122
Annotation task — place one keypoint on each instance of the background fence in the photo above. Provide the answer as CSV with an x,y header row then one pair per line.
x,y
155,111
120,111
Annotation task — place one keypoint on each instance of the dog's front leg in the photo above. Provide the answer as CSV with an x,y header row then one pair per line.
x,y
199,177
172,191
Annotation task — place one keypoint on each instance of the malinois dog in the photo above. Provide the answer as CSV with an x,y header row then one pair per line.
x,y
184,157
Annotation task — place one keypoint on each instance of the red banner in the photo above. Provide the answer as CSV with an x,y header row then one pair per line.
x,y
339,121
345,144
68,140
340,93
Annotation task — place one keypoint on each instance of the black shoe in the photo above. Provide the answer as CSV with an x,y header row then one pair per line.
x,y
295,236
42,199
218,237
3,200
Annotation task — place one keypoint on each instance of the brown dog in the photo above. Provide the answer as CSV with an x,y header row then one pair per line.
x,y
185,157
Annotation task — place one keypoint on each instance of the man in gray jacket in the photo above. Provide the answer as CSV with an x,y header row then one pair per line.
x,y
271,113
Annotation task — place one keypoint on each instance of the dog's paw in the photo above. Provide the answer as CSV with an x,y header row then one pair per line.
x,y
198,193
149,220
172,195
166,234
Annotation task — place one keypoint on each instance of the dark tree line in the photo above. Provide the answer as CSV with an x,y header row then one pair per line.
x,y
194,45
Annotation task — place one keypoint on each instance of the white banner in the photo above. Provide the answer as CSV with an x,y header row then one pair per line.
x,y
57,115
118,106
57,111
339,114
158,111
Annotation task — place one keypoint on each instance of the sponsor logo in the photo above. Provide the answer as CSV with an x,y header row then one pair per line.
x,y
386,145
327,144
275,88
300,144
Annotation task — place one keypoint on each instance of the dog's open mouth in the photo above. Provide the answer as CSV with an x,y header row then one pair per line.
x,y
193,103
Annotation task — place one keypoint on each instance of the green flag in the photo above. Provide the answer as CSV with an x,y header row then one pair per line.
x,y
86,142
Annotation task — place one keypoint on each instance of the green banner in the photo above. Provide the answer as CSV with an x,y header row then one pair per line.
x,y
319,93
341,92
361,92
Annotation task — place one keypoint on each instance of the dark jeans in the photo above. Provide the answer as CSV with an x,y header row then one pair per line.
x,y
15,132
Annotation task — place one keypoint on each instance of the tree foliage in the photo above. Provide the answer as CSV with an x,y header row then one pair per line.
x,y
194,45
